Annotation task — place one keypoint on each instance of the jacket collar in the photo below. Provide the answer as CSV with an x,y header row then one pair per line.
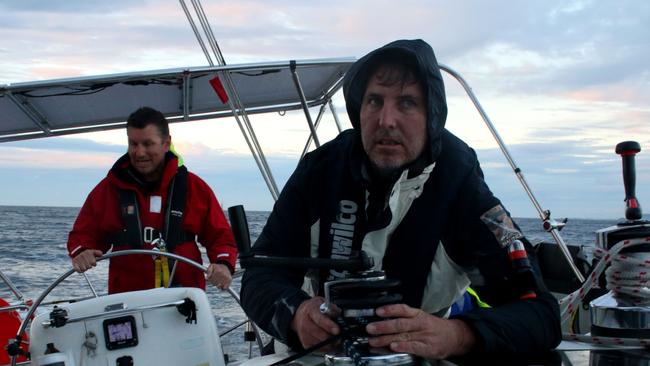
x,y
125,176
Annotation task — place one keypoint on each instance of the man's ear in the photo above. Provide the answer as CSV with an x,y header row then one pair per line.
x,y
168,142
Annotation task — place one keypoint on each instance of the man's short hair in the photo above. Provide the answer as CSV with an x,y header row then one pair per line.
x,y
148,116
394,69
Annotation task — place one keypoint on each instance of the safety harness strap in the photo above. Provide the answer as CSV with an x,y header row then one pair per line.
x,y
174,233
133,234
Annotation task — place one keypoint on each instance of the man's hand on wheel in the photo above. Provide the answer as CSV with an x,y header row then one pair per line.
x,y
86,260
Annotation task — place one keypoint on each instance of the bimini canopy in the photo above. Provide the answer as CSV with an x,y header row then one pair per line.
x,y
67,106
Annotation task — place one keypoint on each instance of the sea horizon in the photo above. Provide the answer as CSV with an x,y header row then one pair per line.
x,y
645,217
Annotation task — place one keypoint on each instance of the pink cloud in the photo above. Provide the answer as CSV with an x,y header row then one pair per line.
x,y
628,93
59,159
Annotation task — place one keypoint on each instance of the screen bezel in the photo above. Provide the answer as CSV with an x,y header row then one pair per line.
x,y
133,341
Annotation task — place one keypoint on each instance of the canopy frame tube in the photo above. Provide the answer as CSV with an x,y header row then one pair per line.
x,y
545,215
37,117
303,102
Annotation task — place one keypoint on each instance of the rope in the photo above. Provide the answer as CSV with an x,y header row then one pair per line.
x,y
607,341
627,277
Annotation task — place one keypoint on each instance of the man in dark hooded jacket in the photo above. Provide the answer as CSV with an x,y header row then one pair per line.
x,y
403,189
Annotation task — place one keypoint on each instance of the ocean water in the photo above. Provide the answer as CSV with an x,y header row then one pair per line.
x,y
33,254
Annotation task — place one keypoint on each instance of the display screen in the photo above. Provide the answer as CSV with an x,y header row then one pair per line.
x,y
120,332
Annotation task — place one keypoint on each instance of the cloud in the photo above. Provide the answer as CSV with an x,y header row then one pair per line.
x,y
62,171
133,32
44,158
66,7
552,49
563,82
572,178
83,38
223,136
74,144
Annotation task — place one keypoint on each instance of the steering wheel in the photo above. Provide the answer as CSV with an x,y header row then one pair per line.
x,y
14,349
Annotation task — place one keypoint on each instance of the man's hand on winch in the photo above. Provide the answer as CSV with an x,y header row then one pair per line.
x,y
219,275
311,325
415,332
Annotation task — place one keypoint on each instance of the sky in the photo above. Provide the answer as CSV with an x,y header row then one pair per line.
x,y
562,81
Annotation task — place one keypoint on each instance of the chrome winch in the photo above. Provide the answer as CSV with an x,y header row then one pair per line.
x,y
624,312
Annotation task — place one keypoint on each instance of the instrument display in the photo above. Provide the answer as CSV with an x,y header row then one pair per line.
x,y
120,332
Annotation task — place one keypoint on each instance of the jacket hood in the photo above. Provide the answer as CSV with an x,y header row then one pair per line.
x,y
418,53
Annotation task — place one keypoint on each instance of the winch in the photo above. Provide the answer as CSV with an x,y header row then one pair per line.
x,y
624,312
350,301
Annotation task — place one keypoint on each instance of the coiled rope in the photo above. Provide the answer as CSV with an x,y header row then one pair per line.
x,y
627,277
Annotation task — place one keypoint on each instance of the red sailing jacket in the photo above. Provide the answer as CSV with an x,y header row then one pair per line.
x,y
100,217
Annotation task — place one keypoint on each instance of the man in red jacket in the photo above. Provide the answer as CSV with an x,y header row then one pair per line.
x,y
148,201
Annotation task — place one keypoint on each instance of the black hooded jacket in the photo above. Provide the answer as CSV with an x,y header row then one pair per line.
x,y
440,228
